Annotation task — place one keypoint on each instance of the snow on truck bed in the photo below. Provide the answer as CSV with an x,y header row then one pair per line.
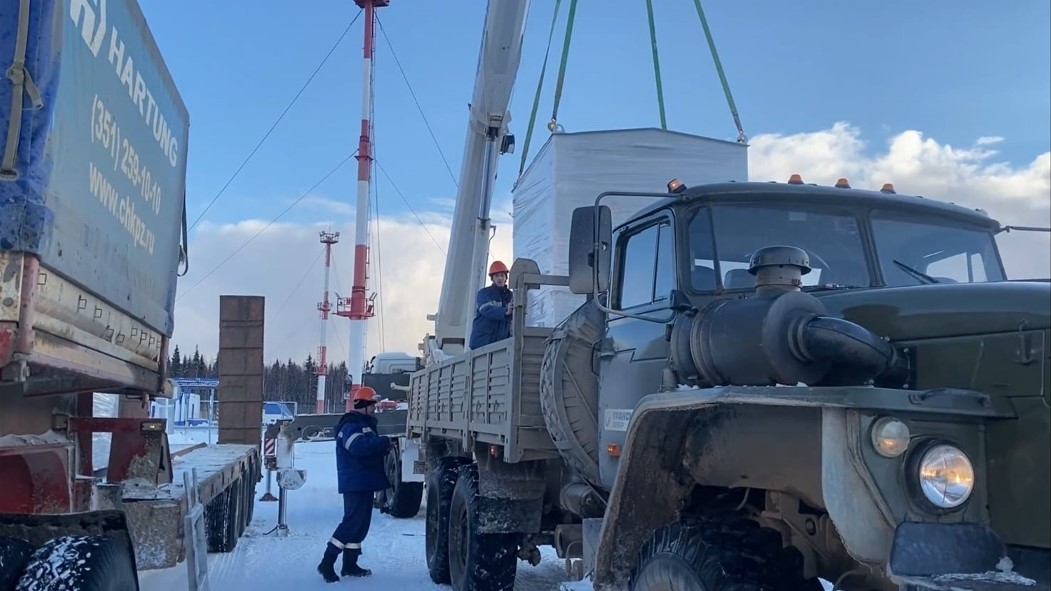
x,y
206,461
394,549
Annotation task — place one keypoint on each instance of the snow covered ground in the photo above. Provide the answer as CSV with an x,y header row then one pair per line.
x,y
394,548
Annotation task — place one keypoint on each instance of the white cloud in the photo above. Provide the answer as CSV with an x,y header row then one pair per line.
x,y
411,263
920,165
285,264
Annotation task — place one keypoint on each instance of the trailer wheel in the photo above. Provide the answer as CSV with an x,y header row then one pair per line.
x,y
477,562
250,481
14,555
402,500
85,563
715,553
440,485
221,518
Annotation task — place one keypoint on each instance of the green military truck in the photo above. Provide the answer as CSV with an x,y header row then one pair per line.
x,y
767,384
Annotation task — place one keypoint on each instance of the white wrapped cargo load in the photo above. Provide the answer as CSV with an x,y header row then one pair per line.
x,y
573,168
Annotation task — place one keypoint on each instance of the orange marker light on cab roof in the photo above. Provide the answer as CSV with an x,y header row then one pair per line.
x,y
795,179
676,186
842,183
887,188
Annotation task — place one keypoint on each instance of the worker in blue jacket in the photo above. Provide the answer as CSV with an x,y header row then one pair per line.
x,y
492,309
360,454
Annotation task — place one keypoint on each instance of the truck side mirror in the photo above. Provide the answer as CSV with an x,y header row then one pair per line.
x,y
588,268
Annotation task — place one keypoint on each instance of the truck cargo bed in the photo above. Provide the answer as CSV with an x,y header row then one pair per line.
x,y
490,394
155,514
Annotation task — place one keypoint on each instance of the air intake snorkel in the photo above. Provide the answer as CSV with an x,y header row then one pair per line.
x,y
781,336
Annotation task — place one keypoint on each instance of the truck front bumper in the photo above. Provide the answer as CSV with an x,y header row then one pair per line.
x,y
956,557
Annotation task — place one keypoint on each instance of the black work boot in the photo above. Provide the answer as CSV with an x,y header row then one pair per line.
x,y
350,564
327,566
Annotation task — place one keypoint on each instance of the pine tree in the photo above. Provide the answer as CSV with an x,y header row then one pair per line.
x,y
175,367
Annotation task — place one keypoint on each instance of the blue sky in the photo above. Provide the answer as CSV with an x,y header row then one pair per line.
x,y
890,91
955,70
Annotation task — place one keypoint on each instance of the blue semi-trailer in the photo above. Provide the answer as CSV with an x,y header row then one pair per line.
x,y
93,145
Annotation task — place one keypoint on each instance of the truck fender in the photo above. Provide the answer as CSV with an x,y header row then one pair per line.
x,y
665,444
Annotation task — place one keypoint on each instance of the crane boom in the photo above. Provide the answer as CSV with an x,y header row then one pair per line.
x,y
487,138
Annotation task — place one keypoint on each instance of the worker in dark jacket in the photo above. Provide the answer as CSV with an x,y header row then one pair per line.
x,y
492,309
360,454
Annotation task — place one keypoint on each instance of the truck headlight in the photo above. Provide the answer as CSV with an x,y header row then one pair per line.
x,y
890,437
946,476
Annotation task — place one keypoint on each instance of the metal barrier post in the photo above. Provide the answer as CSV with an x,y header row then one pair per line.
x,y
270,460
288,477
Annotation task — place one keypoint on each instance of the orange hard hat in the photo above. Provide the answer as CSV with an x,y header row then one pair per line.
x,y
497,267
364,393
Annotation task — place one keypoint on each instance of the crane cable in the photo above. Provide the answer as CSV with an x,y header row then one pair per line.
x,y
553,125
741,137
656,63
539,89
543,74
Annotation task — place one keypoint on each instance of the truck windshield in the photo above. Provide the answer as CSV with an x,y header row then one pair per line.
x,y
830,238
943,252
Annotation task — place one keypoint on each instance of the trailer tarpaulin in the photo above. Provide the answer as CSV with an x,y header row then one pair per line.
x,y
93,137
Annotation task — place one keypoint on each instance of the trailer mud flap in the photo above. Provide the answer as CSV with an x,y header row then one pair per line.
x,y
157,531
953,556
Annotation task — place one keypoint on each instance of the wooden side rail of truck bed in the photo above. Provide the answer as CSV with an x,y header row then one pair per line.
x,y
491,394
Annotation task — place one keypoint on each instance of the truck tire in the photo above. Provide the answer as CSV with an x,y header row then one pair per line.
x,y
716,553
221,517
85,563
477,562
14,555
440,485
402,500
250,481
569,389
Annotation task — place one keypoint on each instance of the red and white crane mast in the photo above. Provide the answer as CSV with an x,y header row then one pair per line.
x,y
360,307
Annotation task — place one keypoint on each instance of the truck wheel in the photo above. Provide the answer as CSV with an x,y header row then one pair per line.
x,y
477,562
440,485
717,553
86,563
251,479
14,555
221,517
403,499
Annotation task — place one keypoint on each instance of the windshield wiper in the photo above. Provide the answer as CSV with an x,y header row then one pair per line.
x,y
917,274
1023,229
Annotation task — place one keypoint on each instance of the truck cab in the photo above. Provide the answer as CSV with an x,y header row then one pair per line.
x,y
849,369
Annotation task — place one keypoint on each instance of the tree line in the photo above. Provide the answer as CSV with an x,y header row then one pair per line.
x,y
289,380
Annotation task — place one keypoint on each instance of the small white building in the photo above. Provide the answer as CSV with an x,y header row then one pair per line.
x,y
182,409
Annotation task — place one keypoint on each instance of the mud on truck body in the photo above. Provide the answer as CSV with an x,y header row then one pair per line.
x,y
768,383
92,237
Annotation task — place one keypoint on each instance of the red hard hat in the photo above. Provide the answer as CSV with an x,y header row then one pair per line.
x,y
364,393
497,267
